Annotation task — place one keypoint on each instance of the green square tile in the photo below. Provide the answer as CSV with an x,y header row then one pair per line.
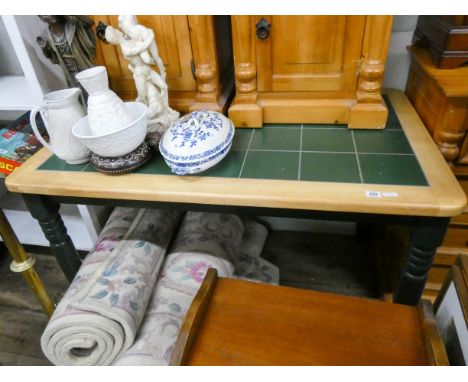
x,y
392,120
391,169
90,168
382,142
276,139
241,139
57,164
327,126
327,140
288,125
271,165
229,167
330,167
156,166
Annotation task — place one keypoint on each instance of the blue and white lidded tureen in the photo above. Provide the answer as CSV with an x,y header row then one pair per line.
x,y
196,142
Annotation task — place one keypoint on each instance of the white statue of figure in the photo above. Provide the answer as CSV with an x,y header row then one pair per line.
x,y
139,48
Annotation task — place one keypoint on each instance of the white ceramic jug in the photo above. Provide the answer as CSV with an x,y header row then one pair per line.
x,y
106,111
60,111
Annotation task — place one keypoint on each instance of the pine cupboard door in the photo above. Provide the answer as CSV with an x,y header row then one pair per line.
x,y
173,40
310,53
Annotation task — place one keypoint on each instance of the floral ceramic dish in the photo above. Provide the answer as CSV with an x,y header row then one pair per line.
x,y
196,142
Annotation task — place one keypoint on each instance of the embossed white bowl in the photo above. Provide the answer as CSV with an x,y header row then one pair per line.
x,y
116,143
196,142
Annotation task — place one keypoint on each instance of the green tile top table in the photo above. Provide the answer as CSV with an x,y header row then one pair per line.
x,y
322,171
321,153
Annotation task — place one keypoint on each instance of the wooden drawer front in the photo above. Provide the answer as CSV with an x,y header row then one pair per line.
x,y
426,98
436,277
464,184
310,53
435,281
462,219
457,237
463,157
174,46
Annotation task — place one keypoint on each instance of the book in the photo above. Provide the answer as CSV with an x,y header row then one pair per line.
x,y
18,143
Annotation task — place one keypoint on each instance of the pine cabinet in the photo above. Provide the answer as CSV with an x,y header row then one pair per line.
x,y
309,69
196,51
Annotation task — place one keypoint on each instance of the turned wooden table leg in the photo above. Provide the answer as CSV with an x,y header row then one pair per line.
x,y
450,130
426,236
46,212
24,264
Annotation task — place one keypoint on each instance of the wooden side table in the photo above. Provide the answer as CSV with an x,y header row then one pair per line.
x,y
440,97
234,322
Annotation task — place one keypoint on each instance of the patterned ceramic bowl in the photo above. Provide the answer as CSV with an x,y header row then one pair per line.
x,y
197,167
196,142
115,143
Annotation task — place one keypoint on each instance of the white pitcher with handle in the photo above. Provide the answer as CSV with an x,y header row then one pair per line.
x,y
60,111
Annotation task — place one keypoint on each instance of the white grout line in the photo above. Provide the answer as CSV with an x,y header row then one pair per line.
x,y
300,156
403,154
323,152
332,127
274,150
246,153
282,127
357,157
85,167
328,152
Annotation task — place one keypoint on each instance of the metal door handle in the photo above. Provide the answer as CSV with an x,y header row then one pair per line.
x,y
263,29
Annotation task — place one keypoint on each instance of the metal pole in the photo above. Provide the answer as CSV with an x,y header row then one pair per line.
x,y
23,263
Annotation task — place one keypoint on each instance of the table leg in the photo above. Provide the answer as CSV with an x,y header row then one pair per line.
x,y
46,212
426,236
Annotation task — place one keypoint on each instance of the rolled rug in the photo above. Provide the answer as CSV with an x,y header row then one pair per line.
x,y
250,265
204,240
215,234
99,315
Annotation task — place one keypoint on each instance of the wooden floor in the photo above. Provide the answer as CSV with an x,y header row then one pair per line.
x,y
22,320
325,262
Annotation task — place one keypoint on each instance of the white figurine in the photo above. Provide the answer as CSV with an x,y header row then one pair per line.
x,y
139,48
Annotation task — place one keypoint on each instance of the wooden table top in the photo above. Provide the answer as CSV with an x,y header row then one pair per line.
x,y
438,194
246,323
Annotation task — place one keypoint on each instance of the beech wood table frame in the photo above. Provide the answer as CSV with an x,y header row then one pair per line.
x,y
427,209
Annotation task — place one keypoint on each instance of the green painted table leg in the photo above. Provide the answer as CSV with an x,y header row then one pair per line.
x,y
46,212
426,236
